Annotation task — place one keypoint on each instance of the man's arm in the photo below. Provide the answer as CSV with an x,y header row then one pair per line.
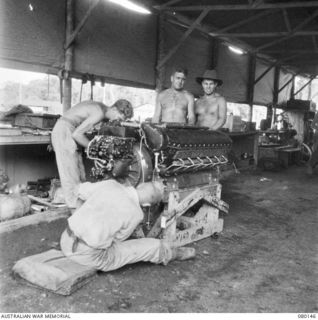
x,y
222,110
79,133
157,115
191,114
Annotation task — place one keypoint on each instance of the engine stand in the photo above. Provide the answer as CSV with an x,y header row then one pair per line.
x,y
190,214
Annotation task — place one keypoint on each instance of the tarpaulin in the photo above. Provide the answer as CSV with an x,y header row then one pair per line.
x,y
264,88
114,43
195,54
117,44
233,70
32,34
284,77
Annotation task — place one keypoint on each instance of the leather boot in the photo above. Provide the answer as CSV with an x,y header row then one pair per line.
x,y
183,253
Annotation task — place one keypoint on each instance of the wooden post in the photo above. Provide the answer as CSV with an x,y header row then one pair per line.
x,y
251,79
276,85
160,72
67,81
309,91
275,94
292,88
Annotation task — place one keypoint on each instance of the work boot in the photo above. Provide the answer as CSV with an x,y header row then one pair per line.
x,y
183,253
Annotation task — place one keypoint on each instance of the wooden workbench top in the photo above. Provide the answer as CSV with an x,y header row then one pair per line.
x,y
25,139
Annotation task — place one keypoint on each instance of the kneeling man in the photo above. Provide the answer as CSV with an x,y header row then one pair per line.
x,y
97,233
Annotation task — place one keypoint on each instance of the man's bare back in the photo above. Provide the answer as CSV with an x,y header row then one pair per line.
x,y
84,110
86,114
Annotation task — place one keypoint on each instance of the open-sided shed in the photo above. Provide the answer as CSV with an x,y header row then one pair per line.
x,y
101,41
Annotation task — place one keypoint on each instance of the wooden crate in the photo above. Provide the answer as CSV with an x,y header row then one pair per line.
x,y
36,121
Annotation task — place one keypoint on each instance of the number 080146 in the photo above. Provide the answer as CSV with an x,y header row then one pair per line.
x,y
307,316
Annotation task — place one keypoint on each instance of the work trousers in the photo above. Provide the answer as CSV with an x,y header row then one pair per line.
x,y
118,254
69,161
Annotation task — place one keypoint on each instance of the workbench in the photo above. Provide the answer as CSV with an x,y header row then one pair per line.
x,y
25,158
245,147
25,139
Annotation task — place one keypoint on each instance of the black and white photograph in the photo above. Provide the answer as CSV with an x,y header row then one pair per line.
x,y
159,158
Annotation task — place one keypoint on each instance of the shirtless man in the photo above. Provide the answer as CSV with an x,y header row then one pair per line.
x,y
211,108
69,133
175,104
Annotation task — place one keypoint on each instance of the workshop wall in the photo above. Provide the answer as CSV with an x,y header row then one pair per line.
x,y
195,54
284,77
233,70
117,44
114,43
32,35
264,88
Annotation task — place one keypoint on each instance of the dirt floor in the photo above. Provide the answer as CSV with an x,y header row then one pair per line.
x,y
265,260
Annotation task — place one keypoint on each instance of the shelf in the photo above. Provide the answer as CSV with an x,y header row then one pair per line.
x,y
24,139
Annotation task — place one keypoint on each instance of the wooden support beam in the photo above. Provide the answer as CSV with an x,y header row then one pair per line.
x,y
284,52
232,7
251,78
183,38
33,219
186,22
292,34
292,90
286,84
304,86
257,3
264,73
160,73
65,77
276,85
167,4
264,34
80,26
286,19
290,57
244,22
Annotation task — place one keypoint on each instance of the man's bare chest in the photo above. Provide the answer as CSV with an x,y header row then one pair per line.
x,y
206,107
175,101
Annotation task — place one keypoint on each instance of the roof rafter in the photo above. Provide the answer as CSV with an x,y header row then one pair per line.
x,y
183,38
265,34
286,19
182,20
246,21
291,34
261,6
304,86
81,24
167,4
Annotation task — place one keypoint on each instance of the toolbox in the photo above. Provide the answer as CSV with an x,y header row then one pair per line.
x,y
36,121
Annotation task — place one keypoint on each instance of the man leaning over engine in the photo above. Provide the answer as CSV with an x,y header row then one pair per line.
x,y
68,137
